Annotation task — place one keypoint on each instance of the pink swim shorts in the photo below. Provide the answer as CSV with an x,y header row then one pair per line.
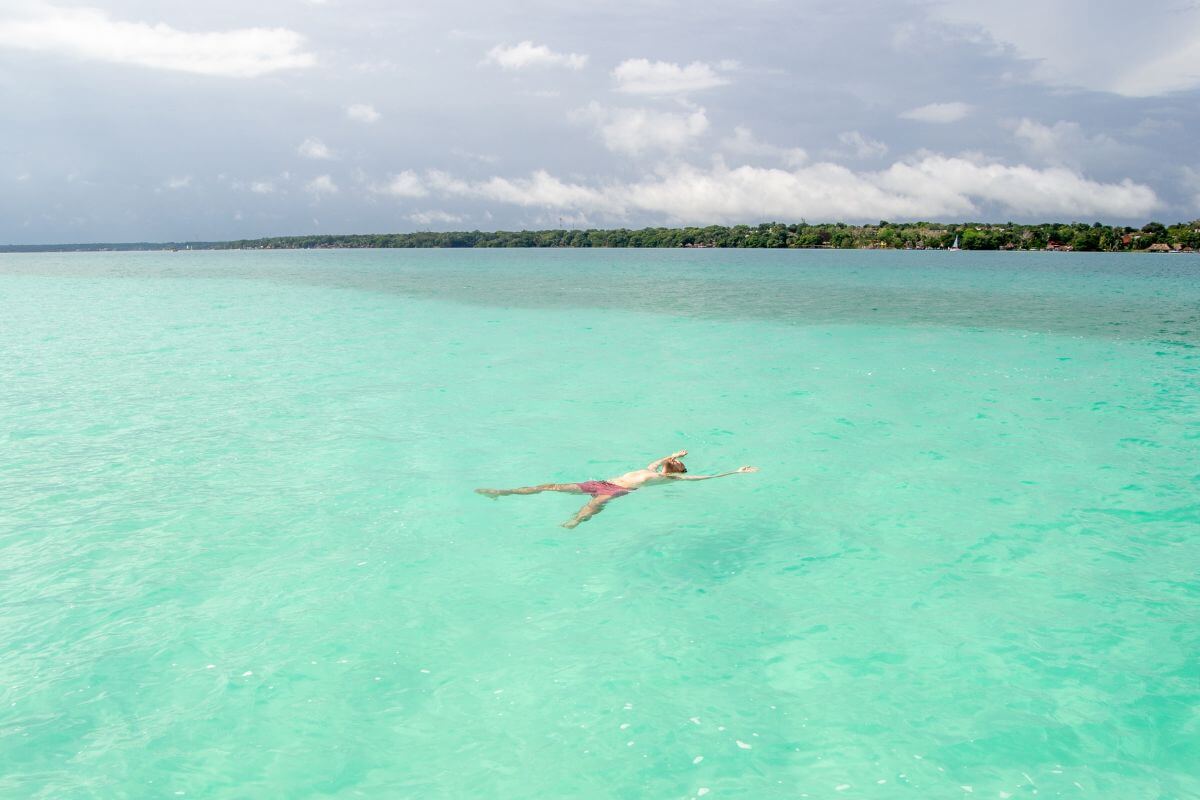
x,y
602,489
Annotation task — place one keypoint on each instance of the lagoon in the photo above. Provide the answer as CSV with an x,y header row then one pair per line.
x,y
240,554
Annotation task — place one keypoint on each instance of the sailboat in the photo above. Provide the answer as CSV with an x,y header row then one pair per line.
x,y
955,245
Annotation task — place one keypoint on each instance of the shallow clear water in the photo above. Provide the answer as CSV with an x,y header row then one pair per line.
x,y
240,555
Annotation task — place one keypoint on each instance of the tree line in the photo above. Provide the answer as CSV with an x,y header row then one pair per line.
x,y
1153,236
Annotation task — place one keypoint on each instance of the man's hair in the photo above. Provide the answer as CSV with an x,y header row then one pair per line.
x,y
673,465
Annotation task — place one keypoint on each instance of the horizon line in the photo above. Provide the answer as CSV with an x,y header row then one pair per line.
x,y
146,244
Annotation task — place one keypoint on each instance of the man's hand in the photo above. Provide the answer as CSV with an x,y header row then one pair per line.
x,y
747,469
680,454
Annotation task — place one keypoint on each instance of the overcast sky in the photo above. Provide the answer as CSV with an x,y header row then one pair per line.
x,y
130,120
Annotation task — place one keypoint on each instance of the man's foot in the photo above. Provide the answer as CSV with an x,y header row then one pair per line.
x,y
571,523
492,493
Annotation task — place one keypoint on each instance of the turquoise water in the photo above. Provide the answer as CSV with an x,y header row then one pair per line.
x,y
240,555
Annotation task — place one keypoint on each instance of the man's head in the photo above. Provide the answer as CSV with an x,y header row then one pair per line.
x,y
673,465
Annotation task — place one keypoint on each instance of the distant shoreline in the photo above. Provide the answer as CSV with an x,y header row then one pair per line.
x,y
1153,237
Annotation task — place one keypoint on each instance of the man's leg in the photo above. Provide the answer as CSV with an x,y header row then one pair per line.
x,y
571,488
590,509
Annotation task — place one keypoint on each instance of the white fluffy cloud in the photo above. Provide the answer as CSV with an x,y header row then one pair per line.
x,y
403,184
1071,42
435,217
90,34
541,190
642,76
931,186
862,146
361,112
178,183
314,148
1064,142
1020,190
942,113
744,143
635,131
322,184
527,54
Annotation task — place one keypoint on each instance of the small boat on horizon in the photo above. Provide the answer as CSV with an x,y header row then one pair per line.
x,y
955,245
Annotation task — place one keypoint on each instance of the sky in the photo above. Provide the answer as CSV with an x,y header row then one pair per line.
x,y
143,120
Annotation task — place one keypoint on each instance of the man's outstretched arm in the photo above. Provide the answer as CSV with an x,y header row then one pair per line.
x,y
710,477
665,459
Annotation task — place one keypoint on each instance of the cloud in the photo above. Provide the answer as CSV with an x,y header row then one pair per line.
x,y
178,183
1044,138
403,184
862,146
541,190
1159,42
744,143
483,158
375,65
634,131
262,187
90,34
435,217
322,184
1065,143
1020,190
1174,69
1190,177
361,112
929,186
642,76
527,54
942,113
314,148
